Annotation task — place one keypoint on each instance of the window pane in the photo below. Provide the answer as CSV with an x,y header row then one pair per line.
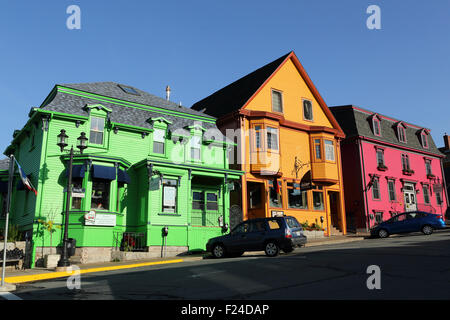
x,y
277,101
376,189
297,199
272,138
100,194
380,157
77,187
275,198
329,150
195,153
307,110
258,136
317,148
391,186
158,147
169,195
158,135
318,200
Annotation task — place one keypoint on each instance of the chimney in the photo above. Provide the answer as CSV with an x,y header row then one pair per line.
x,y
167,93
447,141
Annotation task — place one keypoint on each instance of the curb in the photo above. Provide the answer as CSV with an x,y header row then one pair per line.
x,y
54,275
322,243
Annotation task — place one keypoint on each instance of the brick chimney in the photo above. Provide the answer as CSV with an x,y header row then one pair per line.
x,y
447,141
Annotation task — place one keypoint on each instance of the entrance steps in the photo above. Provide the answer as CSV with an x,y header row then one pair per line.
x,y
335,232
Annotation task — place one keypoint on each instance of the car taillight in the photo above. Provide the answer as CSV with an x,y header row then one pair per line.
x,y
288,233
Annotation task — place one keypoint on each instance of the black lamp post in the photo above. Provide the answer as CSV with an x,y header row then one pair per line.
x,y
62,143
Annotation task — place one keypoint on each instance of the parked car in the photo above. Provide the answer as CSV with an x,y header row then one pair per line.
x,y
268,234
413,221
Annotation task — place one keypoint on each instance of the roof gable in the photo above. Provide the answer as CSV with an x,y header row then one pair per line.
x,y
239,94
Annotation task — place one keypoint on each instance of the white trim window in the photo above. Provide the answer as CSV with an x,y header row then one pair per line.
x,y
329,150
272,138
159,140
401,133
307,110
196,148
376,126
97,129
277,101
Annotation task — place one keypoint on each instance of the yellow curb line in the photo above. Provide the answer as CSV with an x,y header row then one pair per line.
x,y
45,276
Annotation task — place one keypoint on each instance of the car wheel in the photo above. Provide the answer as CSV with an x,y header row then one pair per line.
x,y
218,251
382,233
271,249
427,230
288,249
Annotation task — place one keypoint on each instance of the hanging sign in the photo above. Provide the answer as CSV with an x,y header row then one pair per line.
x,y
155,183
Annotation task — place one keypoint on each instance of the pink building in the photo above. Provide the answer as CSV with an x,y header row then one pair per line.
x,y
389,166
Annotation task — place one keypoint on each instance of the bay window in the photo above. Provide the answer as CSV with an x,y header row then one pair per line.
x,y
100,194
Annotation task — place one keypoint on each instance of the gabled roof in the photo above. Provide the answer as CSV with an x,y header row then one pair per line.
x,y
235,95
238,94
357,122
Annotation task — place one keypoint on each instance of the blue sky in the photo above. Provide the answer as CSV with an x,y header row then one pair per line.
x,y
198,47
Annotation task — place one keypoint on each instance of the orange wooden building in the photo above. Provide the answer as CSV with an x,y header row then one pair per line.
x,y
288,145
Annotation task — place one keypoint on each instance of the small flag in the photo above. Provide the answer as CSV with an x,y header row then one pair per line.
x,y
26,182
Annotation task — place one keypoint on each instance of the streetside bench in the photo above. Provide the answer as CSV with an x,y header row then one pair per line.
x,y
18,263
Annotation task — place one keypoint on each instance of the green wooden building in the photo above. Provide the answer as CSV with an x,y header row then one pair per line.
x,y
149,164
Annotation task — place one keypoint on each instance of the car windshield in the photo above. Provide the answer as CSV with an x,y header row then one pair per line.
x,y
292,222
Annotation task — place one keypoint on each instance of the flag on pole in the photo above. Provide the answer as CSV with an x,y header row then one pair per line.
x,y
26,182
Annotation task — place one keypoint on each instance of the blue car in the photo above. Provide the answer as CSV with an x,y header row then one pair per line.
x,y
413,221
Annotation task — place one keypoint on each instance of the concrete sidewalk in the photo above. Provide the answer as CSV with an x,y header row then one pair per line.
x,y
38,274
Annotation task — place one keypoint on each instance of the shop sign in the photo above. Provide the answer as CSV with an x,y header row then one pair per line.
x,y
94,219
277,213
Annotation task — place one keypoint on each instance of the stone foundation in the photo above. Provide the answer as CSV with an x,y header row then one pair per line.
x,y
314,234
85,255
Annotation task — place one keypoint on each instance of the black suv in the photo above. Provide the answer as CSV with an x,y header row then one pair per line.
x,y
268,234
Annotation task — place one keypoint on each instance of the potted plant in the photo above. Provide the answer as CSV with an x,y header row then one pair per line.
x,y
50,260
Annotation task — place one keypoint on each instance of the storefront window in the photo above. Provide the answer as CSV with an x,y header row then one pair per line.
x,y
170,195
275,197
318,200
77,193
297,199
100,194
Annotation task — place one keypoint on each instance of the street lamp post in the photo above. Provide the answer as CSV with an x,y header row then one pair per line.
x,y
62,143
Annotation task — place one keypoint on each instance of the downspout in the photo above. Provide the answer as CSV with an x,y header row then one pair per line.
x,y
366,201
444,186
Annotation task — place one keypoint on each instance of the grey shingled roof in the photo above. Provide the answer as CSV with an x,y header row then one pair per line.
x,y
73,104
4,164
358,123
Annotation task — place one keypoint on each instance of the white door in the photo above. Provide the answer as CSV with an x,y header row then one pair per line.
x,y
409,193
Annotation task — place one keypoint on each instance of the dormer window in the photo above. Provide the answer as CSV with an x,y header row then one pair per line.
x,y
97,128
159,139
401,133
196,148
376,126
424,137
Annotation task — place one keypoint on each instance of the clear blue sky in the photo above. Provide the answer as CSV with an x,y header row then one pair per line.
x,y
198,47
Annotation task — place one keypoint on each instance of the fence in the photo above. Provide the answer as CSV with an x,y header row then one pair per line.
x,y
130,241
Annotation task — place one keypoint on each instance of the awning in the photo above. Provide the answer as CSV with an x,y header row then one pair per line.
x,y
3,186
101,172
77,171
122,176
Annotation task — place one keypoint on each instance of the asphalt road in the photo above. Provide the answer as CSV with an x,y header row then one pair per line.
x,y
411,267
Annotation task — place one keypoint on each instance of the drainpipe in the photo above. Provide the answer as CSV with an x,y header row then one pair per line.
x,y
366,208
444,187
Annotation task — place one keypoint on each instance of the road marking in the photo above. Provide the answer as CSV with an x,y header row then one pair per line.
x,y
9,296
204,274
46,276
